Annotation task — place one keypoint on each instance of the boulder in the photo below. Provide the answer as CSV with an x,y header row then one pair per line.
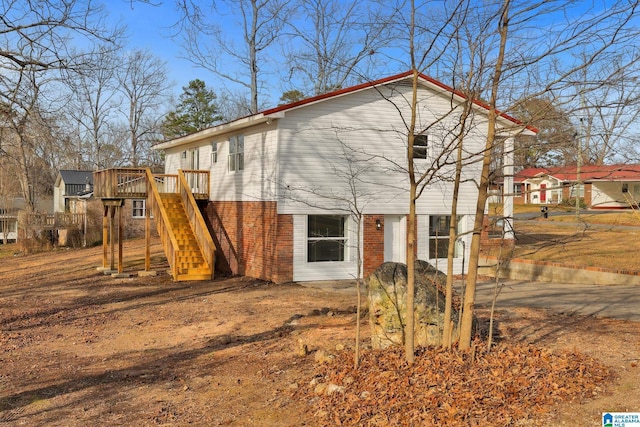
x,y
387,293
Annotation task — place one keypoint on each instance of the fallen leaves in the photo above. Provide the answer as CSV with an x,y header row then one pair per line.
x,y
511,384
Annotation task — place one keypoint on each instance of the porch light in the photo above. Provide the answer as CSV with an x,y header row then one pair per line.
x,y
378,225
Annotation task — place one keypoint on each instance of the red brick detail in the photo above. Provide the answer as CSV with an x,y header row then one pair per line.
x,y
252,239
373,243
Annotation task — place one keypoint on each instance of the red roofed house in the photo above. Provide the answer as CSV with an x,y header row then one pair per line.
x,y
280,180
602,186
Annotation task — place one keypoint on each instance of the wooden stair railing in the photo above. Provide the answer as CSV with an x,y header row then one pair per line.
x,y
198,225
163,224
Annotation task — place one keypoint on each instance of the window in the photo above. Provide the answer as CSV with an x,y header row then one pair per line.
x,y
517,190
577,189
420,146
236,153
326,238
439,236
139,208
214,152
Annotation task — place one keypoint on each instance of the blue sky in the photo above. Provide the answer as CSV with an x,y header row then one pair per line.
x,y
149,28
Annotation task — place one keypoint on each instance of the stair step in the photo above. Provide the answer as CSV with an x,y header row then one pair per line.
x,y
190,263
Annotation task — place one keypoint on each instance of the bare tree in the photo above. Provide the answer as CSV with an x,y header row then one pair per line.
x,y
143,82
93,108
37,45
330,40
242,62
608,108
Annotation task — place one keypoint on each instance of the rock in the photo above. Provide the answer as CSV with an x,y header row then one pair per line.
x,y
322,357
333,388
387,293
301,348
320,388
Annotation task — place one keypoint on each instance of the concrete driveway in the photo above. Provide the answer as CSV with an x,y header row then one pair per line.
x,y
613,301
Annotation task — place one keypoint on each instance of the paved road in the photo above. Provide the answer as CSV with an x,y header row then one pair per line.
x,y
613,301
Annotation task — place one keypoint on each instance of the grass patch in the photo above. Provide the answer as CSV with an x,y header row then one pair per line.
x,y
8,250
579,244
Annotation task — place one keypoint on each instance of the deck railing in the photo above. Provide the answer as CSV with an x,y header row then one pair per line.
x,y
56,220
124,183
196,220
198,182
129,183
167,237
166,183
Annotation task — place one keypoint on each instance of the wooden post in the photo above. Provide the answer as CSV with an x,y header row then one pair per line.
x,y
120,239
147,235
112,213
105,235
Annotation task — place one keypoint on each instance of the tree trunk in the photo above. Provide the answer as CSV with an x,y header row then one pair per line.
x,y
466,321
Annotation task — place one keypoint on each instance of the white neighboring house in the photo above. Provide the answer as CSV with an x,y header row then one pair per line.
x,y
614,186
280,187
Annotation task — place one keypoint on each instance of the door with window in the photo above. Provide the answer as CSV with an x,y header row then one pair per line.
x,y
395,238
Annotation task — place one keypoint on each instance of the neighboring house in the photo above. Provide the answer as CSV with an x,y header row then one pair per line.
x,y
10,213
601,186
69,185
281,181
73,191
8,225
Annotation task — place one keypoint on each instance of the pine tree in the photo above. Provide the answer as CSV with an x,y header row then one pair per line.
x,y
197,110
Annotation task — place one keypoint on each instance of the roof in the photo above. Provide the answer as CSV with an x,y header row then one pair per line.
x,y
278,112
71,177
619,172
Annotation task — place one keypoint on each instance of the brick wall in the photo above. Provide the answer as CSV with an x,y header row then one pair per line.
x,y
252,239
373,243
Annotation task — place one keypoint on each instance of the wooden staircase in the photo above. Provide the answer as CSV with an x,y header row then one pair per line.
x,y
184,234
190,262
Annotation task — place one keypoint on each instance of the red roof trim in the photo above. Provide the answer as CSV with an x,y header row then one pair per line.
x,y
384,81
618,172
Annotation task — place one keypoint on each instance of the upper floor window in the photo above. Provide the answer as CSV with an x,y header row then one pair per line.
x,y
420,146
214,152
236,153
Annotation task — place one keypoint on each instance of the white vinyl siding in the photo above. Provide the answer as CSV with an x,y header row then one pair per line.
x,y
256,181
315,141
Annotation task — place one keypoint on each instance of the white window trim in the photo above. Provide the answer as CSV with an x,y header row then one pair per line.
x,y
457,243
143,209
345,239
236,154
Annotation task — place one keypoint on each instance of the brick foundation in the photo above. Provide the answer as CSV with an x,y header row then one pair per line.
x,y
373,243
252,239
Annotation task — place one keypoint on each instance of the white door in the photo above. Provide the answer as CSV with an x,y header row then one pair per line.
x,y
395,238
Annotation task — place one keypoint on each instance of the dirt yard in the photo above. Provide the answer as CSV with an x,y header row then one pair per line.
x,y
79,348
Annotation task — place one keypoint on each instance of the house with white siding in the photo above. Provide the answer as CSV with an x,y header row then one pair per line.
x,y
284,183
614,186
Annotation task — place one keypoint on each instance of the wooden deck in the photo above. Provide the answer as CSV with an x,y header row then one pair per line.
x,y
185,237
127,183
